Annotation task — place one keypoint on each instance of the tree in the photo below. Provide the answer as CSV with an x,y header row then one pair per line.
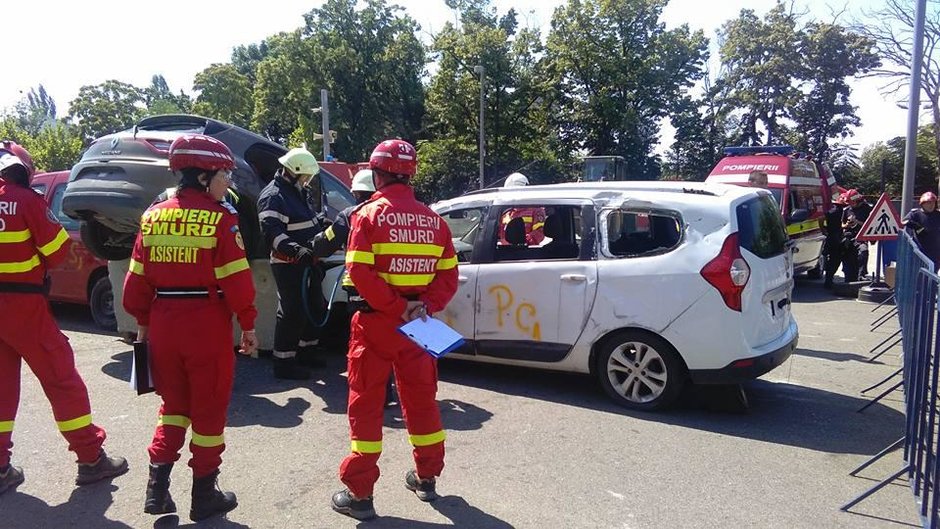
x,y
245,59
517,93
832,54
368,59
35,111
160,100
224,94
702,128
56,147
890,155
892,28
619,71
106,108
762,61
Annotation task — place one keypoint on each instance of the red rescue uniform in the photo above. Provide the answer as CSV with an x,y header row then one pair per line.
x,y
188,274
534,219
31,242
398,249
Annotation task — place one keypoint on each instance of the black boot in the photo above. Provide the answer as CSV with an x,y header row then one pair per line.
x,y
10,478
311,356
344,502
289,369
424,489
159,500
105,467
209,499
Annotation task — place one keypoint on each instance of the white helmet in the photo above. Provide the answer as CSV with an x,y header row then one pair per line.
x,y
363,181
516,180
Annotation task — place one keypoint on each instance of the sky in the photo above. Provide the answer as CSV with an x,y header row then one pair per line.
x,y
66,45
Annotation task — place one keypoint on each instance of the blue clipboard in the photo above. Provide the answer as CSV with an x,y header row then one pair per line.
x,y
433,335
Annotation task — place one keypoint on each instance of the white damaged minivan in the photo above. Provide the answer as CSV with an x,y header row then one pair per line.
x,y
646,285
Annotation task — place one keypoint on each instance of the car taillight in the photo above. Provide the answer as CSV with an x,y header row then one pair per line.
x,y
728,272
161,146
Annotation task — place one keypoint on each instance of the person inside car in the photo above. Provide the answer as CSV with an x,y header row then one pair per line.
x,y
533,219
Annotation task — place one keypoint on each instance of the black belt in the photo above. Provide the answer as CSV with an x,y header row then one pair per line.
x,y
187,293
23,288
359,304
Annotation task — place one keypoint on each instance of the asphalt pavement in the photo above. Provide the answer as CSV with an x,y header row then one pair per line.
x,y
525,448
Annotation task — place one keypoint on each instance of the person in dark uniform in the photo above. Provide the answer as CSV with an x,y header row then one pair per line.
x,y
924,225
855,258
289,224
833,244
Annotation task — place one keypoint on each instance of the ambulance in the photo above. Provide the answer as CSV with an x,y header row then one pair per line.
x,y
800,185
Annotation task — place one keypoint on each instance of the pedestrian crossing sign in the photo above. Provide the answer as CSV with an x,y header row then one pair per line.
x,y
883,224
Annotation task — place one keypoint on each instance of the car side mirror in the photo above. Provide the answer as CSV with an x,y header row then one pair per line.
x,y
798,215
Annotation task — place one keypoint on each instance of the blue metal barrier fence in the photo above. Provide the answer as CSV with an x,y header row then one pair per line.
x,y
916,295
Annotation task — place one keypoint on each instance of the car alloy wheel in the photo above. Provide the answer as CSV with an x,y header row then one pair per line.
x,y
640,370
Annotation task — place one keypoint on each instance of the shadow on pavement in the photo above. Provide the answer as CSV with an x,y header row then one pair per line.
x,y
172,521
835,357
86,507
455,508
455,415
779,413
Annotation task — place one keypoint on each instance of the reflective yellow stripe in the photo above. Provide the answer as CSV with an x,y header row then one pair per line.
x,y
537,226
347,281
20,266
427,439
526,219
53,245
136,267
407,280
366,447
236,266
14,236
401,248
809,225
447,264
329,234
184,241
174,420
6,426
208,441
360,256
74,424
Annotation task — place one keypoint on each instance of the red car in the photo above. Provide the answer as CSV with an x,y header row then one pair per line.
x,y
82,278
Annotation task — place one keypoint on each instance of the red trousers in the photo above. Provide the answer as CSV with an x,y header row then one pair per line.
x,y
28,332
375,346
193,364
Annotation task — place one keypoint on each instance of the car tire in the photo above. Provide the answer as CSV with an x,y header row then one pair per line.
x,y
640,370
101,303
95,236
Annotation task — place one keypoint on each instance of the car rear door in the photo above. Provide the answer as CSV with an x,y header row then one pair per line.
x,y
765,302
534,298
69,279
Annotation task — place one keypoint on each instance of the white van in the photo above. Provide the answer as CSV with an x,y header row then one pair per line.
x,y
645,285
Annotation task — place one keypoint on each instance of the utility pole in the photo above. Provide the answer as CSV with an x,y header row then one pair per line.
x,y
913,108
480,70
325,112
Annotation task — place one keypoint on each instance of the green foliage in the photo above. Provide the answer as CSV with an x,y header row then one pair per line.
x,y
517,94
106,108
369,60
35,111
56,147
224,94
890,156
618,72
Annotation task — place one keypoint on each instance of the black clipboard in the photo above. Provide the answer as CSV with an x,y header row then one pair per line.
x,y
141,378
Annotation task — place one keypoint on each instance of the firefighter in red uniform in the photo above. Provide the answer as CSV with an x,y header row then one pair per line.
x,y
401,258
533,218
31,242
188,274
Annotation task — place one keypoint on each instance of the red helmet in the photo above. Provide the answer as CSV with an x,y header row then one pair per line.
x,y
202,152
929,196
852,195
12,153
396,157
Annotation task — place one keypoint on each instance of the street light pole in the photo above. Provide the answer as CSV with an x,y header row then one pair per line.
x,y
913,108
480,70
